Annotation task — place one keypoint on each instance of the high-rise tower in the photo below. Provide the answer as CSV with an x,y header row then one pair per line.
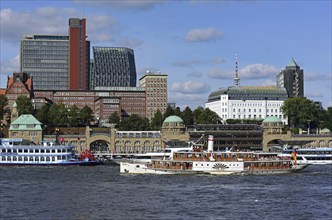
x,y
77,54
236,78
291,78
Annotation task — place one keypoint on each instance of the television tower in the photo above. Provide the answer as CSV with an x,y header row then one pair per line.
x,y
236,78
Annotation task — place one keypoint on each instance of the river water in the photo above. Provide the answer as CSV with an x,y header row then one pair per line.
x,y
100,192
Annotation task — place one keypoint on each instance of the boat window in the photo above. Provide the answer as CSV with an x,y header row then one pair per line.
x,y
14,151
31,159
20,150
37,150
25,150
47,151
3,151
53,150
233,155
42,151
30,150
225,155
36,158
59,157
14,158
19,158
42,158
53,158
47,158
9,158
63,157
25,158
63,150
3,158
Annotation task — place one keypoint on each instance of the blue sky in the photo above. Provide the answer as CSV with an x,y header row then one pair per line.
x,y
193,42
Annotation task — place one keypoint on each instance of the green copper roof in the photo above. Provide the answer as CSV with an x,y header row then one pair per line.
x,y
250,93
26,122
325,130
272,119
173,119
293,64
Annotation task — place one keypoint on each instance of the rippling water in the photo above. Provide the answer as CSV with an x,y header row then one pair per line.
x,y
102,193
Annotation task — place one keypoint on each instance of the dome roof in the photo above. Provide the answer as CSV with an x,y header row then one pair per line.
x,y
325,130
272,119
173,119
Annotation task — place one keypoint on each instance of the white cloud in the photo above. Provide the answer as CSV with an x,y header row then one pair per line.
x,y
190,87
191,100
257,71
203,35
253,71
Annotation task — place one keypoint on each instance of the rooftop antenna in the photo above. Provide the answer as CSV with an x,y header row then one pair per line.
x,y
236,78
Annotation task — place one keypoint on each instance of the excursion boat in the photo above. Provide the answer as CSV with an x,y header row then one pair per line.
x,y
197,161
149,156
18,151
310,155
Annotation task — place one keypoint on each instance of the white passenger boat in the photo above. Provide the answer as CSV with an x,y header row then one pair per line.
x,y
148,156
310,155
18,151
197,161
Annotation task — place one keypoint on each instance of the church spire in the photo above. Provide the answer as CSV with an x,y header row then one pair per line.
x,y
236,78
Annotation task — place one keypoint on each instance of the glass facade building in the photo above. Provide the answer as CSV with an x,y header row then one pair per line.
x,y
113,67
45,58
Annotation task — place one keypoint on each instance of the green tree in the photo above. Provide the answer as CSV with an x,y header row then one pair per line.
x,y
326,119
208,117
177,112
169,111
114,118
42,114
157,120
134,123
299,111
3,106
187,116
74,116
86,115
24,105
58,115
199,110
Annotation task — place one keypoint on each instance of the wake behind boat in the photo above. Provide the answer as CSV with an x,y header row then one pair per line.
x,y
197,161
17,151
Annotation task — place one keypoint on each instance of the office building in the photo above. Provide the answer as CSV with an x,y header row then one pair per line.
x,y
113,67
291,78
248,102
57,61
79,55
156,93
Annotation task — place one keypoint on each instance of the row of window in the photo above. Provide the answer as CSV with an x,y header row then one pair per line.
x,y
33,158
37,151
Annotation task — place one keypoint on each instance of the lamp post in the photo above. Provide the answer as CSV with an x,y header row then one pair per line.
x,y
308,126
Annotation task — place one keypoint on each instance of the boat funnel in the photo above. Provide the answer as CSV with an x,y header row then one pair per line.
x,y
210,143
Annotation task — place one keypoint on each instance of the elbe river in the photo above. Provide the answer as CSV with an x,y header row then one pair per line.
x,y
101,192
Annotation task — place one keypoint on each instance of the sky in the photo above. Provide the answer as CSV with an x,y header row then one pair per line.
x,y
193,42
